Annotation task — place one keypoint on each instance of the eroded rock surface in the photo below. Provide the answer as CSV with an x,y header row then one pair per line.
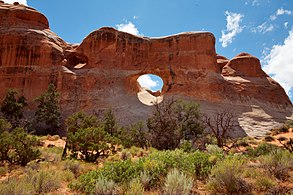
x,y
102,71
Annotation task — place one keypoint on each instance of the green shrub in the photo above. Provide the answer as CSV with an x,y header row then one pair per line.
x,y
186,146
3,170
177,183
262,149
269,138
145,179
135,188
74,166
17,147
264,182
91,143
151,170
45,181
52,154
14,186
226,177
105,187
278,163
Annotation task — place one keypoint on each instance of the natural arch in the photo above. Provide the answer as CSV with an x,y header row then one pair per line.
x,y
150,88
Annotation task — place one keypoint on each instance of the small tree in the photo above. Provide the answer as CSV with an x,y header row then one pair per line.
x,y
76,121
92,143
220,125
110,123
17,147
173,121
87,136
48,110
12,107
134,135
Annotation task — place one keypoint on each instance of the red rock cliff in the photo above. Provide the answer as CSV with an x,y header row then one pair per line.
x,y
102,71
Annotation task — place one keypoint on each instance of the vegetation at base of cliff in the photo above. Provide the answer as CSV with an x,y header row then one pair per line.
x,y
169,153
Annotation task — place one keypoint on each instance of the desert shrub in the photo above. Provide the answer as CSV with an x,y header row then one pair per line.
x,y
4,125
186,146
221,124
3,170
173,121
262,149
269,138
52,154
73,166
264,182
145,179
44,181
150,169
226,177
278,190
14,186
135,187
277,163
286,143
17,147
104,187
177,183
67,175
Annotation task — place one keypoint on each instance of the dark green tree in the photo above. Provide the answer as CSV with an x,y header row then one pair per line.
x,y
12,107
91,143
48,110
134,135
76,121
17,147
110,123
87,138
173,121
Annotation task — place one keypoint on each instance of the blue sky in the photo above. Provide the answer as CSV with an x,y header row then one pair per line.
x,y
263,28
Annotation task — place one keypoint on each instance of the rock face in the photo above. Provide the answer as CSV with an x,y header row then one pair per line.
x,y
102,71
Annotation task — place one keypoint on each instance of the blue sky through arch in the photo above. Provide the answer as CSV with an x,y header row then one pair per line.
x,y
151,81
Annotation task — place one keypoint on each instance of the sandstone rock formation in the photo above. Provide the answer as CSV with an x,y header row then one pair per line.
x,y
102,71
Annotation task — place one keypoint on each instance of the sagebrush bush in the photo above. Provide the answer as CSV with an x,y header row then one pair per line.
x,y
15,186
226,178
135,188
264,182
262,149
145,179
152,168
177,183
45,181
105,187
278,163
74,166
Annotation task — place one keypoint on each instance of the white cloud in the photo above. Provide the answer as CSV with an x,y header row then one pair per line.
x,y
24,2
253,2
279,63
147,82
233,28
128,27
264,28
286,25
280,12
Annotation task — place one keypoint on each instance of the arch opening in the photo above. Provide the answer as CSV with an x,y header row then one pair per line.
x,y
150,89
